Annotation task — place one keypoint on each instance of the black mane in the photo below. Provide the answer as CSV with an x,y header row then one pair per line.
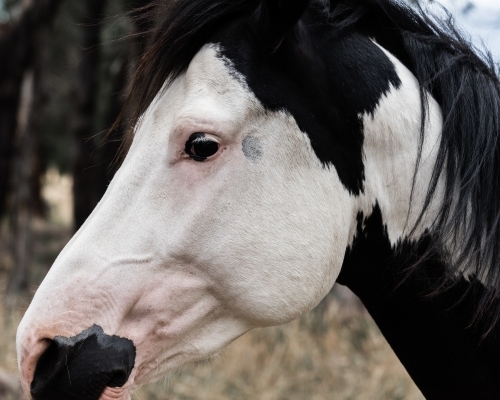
x,y
446,65
465,83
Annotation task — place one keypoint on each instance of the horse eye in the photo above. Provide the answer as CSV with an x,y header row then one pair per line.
x,y
199,147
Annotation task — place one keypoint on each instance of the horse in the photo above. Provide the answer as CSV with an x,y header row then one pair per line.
x,y
277,148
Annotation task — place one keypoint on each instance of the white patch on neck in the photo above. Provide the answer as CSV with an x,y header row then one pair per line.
x,y
391,143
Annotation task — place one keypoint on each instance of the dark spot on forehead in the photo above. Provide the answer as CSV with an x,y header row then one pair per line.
x,y
252,149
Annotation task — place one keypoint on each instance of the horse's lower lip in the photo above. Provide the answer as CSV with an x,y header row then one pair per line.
x,y
115,394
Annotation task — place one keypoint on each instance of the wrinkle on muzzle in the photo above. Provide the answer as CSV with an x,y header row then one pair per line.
x,y
82,366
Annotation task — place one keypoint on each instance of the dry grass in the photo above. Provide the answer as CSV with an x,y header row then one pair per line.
x,y
49,239
334,352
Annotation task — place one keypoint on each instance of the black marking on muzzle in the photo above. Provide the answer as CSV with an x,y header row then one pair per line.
x,y
82,366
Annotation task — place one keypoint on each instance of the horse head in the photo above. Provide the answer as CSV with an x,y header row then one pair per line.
x,y
267,137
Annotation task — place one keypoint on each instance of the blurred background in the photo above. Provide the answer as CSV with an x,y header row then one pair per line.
x,y
64,69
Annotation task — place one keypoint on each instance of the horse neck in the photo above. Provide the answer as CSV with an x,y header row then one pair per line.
x,y
431,334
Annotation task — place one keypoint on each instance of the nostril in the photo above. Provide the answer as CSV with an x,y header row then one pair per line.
x,y
48,361
81,367
118,378
49,366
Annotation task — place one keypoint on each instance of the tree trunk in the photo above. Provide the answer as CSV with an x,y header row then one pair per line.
x,y
127,63
21,102
112,143
24,171
9,101
16,52
85,171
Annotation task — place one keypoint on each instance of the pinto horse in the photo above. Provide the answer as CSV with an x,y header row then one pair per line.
x,y
281,146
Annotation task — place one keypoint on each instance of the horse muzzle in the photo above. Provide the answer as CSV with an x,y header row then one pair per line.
x,y
88,366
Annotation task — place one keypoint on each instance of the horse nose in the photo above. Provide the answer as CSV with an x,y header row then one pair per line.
x,y
81,367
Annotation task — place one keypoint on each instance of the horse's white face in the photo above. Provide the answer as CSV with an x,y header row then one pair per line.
x,y
182,256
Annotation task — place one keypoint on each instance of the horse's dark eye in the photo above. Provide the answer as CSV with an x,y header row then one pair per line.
x,y
200,147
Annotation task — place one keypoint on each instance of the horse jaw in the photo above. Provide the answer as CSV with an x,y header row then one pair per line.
x,y
183,257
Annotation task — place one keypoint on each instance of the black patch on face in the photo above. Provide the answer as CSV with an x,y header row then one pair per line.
x,y
324,80
432,335
82,366
252,149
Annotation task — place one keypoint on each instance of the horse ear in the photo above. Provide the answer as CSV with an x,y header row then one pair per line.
x,y
273,19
